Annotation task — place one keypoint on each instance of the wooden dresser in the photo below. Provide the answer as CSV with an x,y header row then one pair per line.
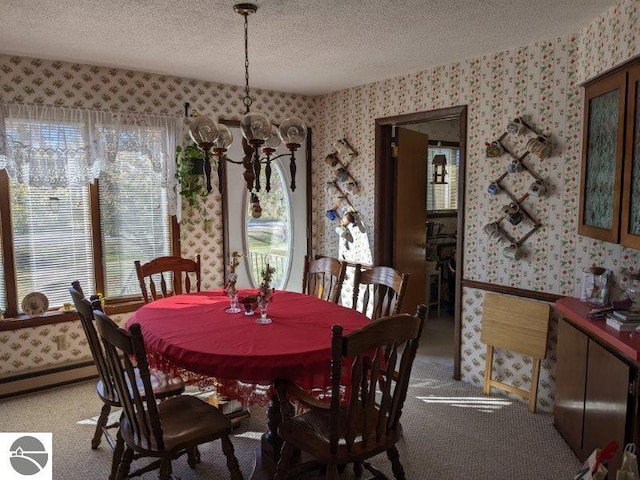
x,y
596,397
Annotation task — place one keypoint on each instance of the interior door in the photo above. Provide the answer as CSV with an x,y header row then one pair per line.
x,y
294,232
411,213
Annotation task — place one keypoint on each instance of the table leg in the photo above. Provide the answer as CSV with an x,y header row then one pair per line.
x,y
268,454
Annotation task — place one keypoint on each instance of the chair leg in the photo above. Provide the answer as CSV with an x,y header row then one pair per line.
x,y
357,469
286,454
232,461
165,468
396,466
100,425
193,457
125,464
332,472
117,456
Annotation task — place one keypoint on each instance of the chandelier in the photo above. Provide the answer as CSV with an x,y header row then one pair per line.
x,y
260,137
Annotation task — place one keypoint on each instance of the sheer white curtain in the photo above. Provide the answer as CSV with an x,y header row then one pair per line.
x,y
51,154
48,146
45,146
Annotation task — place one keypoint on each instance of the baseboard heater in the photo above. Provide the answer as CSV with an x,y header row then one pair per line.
x,y
43,378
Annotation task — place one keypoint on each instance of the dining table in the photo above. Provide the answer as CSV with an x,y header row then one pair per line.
x,y
192,335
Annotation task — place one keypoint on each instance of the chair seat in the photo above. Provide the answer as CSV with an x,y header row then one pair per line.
x,y
164,385
310,431
185,421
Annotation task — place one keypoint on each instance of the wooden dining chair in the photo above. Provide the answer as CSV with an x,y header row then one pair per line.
x,y
350,430
173,275
323,278
382,289
164,385
164,430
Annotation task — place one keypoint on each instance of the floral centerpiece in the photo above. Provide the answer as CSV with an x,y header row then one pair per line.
x,y
232,278
265,294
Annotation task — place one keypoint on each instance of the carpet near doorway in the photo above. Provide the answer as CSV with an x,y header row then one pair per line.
x,y
451,432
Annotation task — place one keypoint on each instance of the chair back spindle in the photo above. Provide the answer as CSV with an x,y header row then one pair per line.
x,y
85,312
382,288
166,276
381,355
370,371
323,278
134,387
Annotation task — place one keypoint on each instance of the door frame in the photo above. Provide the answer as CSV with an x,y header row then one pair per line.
x,y
385,200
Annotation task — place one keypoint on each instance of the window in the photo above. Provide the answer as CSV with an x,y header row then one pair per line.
x,y
134,222
443,196
3,295
268,237
64,228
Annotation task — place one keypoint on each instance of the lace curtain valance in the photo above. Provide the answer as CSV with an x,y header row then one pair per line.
x,y
56,147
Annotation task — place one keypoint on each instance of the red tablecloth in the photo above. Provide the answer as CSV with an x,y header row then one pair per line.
x,y
194,333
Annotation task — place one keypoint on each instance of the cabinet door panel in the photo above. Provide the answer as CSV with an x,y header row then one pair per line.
x,y
571,373
603,143
630,231
606,402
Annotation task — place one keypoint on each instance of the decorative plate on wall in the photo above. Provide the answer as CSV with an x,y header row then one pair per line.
x,y
35,304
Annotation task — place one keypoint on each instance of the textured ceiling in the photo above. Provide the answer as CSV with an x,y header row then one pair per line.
x,y
301,46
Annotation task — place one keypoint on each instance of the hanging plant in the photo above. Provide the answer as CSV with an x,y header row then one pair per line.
x,y
191,179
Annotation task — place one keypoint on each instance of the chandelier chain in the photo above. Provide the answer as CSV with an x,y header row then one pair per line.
x,y
247,97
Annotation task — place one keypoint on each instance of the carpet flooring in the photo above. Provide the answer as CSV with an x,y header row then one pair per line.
x,y
451,432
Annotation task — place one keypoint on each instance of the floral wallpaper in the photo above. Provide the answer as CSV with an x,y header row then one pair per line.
x,y
538,81
37,347
50,82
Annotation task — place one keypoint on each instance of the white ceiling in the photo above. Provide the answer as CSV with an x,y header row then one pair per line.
x,y
300,46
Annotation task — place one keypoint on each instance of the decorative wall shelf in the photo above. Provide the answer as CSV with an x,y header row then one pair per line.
x,y
515,212
340,187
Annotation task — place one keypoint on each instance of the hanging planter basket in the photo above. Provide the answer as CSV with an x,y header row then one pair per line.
x,y
196,167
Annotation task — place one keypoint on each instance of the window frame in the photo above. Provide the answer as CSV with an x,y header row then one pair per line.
x,y
445,212
117,305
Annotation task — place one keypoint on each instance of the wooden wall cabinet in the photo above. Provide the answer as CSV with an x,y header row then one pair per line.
x,y
630,228
610,186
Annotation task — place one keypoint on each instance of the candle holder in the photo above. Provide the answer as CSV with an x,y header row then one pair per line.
x,y
263,320
233,299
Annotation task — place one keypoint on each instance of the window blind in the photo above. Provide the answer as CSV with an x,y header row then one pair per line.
x,y
3,290
51,225
134,219
443,196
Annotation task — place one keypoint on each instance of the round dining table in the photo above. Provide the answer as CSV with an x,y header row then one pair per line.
x,y
193,336
194,333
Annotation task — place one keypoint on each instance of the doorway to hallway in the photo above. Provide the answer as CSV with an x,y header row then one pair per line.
x,y
412,228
